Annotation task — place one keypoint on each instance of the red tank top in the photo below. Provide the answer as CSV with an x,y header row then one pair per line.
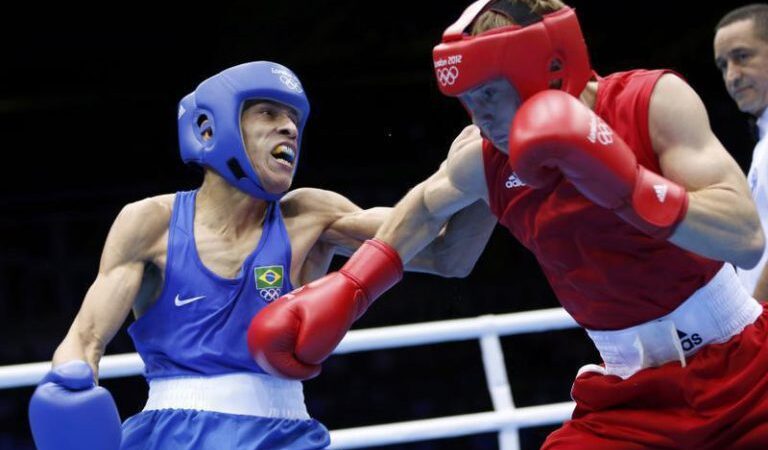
x,y
606,273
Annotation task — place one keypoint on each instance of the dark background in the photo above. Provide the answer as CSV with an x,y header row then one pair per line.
x,y
87,107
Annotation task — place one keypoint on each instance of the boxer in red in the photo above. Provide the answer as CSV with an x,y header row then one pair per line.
x,y
635,211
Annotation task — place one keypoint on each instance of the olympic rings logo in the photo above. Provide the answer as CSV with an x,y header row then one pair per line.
x,y
599,131
604,133
448,75
270,295
291,83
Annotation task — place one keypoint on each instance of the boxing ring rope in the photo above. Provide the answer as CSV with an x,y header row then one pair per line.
x,y
505,419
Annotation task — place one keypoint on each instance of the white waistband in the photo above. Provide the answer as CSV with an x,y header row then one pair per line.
x,y
248,394
713,314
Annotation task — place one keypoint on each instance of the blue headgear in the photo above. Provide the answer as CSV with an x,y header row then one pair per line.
x,y
216,106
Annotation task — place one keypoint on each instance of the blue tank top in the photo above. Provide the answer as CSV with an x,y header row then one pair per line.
x,y
198,324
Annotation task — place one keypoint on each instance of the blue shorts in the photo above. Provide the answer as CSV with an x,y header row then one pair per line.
x,y
186,429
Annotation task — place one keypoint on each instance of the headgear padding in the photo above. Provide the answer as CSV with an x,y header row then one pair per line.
x,y
216,106
547,52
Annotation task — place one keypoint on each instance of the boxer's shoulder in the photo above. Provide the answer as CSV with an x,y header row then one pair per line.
x,y
149,215
313,201
670,89
159,204
141,226
677,115
464,164
468,141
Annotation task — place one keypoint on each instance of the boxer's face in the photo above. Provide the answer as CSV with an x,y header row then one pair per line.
x,y
493,106
270,137
742,58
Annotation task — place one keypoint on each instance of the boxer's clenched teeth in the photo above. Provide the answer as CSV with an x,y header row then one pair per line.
x,y
284,154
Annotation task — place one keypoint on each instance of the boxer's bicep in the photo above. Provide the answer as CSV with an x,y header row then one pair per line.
x,y
461,178
721,221
349,231
105,307
459,195
109,299
456,250
443,198
419,217
689,152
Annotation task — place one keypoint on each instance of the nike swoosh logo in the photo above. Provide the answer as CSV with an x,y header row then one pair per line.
x,y
179,302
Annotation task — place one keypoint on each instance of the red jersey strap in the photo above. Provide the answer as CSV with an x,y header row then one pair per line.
x,y
634,90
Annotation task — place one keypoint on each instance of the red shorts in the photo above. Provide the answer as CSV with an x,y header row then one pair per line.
x,y
718,401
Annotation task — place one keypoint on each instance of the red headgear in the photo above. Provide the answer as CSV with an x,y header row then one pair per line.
x,y
542,52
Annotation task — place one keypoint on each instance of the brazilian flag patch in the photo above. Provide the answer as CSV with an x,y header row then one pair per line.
x,y
269,277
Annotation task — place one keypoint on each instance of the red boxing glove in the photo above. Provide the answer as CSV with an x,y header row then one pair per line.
x,y
554,134
294,334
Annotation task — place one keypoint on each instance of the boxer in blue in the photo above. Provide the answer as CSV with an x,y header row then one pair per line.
x,y
196,266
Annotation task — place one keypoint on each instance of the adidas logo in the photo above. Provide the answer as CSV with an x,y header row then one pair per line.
x,y
689,342
513,181
661,191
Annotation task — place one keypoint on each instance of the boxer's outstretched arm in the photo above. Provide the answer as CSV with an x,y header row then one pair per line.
x,y
454,241
453,253
109,299
68,411
721,221
292,336
460,182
